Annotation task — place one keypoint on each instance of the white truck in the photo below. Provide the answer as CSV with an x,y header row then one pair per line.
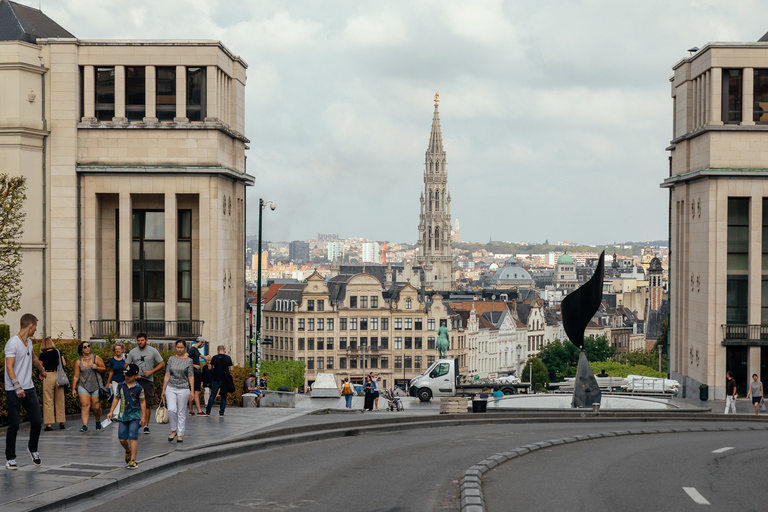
x,y
442,379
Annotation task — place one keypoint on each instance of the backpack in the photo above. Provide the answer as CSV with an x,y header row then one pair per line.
x,y
347,389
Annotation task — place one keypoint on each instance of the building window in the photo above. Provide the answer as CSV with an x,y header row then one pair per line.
x,y
353,342
342,363
363,324
374,362
363,301
417,343
384,343
398,343
343,343
184,265
148,264
329,362
310,324
321,363
398,362
301,343
398,324
374,324
408,361
301,324
407,303
310,343
353,302
409,324
320,323
374,301
320,343
329,323
310,305
135,95
321,305
374,342
196,99
353,324
417,362
105,94
165,98
352,363
431,324
760,112
418,324
431,343
342,324
408,343
430,360
310,363
737,300
384,363
329,343
385,324
732,90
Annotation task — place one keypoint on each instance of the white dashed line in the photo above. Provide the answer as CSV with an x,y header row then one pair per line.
x,y
695,496
725,449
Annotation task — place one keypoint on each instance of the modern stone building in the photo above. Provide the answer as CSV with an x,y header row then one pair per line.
x,y
134,156
435,215
718,187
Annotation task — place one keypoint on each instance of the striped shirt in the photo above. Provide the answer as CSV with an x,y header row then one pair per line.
x,y
181,370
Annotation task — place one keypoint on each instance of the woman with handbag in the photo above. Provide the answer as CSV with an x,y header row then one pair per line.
x,y
756,390
178,382
368,405
53,392
116,368
86,384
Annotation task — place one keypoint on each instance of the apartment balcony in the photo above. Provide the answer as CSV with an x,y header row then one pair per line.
x,y
735,334
159,329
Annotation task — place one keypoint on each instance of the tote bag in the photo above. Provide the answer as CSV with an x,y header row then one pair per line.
x,y
61,376
161,415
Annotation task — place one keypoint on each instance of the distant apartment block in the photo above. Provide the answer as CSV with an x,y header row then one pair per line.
x,y
335,250
371,252
298,252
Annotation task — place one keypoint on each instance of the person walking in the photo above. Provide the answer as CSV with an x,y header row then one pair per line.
x,y
348,391
222,366
368,388
375,383
178,383
116,368
206,371
53,394
20,391
86,384
756,390
195,355
730,393
149,361
130,395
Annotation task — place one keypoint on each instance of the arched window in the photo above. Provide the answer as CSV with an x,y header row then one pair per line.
x,y
437,238
437,167
430,238
430,200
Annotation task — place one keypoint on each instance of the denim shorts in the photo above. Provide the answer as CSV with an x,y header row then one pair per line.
x,y
756,399
82,391
128,429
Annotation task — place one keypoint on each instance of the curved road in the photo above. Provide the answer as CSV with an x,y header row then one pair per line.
x,y
417,470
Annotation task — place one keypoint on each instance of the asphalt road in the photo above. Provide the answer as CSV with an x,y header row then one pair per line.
x,y
637,473
421,470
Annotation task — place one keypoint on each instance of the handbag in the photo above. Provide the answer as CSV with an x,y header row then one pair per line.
x,y
161,415
61,375
230,383
761,407
105,393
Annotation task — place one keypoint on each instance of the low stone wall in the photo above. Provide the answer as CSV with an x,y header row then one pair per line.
x,y
278,399
453,405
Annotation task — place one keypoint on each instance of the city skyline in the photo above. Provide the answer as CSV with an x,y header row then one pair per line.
x,y
541,107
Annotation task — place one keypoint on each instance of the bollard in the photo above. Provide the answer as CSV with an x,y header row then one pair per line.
x,y
595,407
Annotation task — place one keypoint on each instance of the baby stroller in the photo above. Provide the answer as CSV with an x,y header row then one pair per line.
x,y
393,401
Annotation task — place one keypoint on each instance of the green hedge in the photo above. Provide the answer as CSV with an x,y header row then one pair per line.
x,y
615,369
68,350
284,373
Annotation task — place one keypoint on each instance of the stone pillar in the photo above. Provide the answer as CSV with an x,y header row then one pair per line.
x,y
125,256
212,93
716,116
89,94
755,261
119,95
181,95
747,96
150,93
171,260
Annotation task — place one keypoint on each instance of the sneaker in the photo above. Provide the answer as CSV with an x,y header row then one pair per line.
x,y
35,458
146,430
11,464
132,464
127,457
191,413
48,428
61,426
98,426
84,428
202,414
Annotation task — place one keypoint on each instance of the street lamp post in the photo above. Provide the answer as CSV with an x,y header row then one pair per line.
x,y
262,204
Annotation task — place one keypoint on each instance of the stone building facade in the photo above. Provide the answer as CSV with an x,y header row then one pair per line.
x,y
718,187
134,156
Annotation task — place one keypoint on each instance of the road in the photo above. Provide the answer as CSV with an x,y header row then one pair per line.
x,y
421,470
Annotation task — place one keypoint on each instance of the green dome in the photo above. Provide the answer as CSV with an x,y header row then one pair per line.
x,y
565,259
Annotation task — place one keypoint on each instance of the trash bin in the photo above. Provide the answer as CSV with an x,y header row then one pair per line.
x,y
704,392
479,405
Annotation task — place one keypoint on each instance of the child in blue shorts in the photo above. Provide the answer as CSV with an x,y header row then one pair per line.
x,y
132,395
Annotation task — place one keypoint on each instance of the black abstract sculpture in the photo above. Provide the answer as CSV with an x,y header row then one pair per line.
x,y
578,308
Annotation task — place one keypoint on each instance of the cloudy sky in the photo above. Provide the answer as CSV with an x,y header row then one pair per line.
x,y
555,115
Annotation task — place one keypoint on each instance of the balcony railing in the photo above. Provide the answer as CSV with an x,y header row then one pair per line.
x,y
360,348
734,334
164,329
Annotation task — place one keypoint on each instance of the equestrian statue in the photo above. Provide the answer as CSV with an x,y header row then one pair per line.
x,y
443,342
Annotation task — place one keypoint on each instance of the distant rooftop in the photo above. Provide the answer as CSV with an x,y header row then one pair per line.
x,y
21,23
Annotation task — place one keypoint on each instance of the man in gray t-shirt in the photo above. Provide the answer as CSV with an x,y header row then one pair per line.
x,y
149,361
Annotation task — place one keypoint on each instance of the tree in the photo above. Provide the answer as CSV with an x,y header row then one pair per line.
x,y
540,373
12,216
598,349
560,358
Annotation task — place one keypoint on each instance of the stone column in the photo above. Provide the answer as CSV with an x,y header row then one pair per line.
x,y
181,95
747,95
119,95
716,116
171,260
125,256
89,94
211,82
150,94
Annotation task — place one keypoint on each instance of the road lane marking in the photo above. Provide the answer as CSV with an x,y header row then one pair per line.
x,y
695,495
724,449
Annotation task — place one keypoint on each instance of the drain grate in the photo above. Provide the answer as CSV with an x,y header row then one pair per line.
x,y
71,472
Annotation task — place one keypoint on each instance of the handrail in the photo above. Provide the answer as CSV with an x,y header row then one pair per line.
x,y
153,328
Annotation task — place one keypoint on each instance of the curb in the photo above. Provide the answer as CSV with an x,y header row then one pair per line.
x,y
472,498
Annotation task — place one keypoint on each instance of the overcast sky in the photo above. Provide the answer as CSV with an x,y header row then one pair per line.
x,y
555,115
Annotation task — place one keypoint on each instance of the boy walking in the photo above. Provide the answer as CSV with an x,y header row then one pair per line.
x,y
131,417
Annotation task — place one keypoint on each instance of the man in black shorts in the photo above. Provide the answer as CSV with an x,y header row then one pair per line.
x,y
149,361
194,397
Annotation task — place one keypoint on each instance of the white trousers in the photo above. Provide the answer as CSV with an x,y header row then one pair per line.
x,y
730,404
177,400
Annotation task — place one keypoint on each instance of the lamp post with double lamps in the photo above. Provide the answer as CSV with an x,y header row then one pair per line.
x,y
262,204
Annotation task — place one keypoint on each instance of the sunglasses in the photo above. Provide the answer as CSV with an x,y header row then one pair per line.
x,y
86,346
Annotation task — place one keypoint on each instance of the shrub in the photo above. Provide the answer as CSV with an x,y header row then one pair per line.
x,y
622,370
284,373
